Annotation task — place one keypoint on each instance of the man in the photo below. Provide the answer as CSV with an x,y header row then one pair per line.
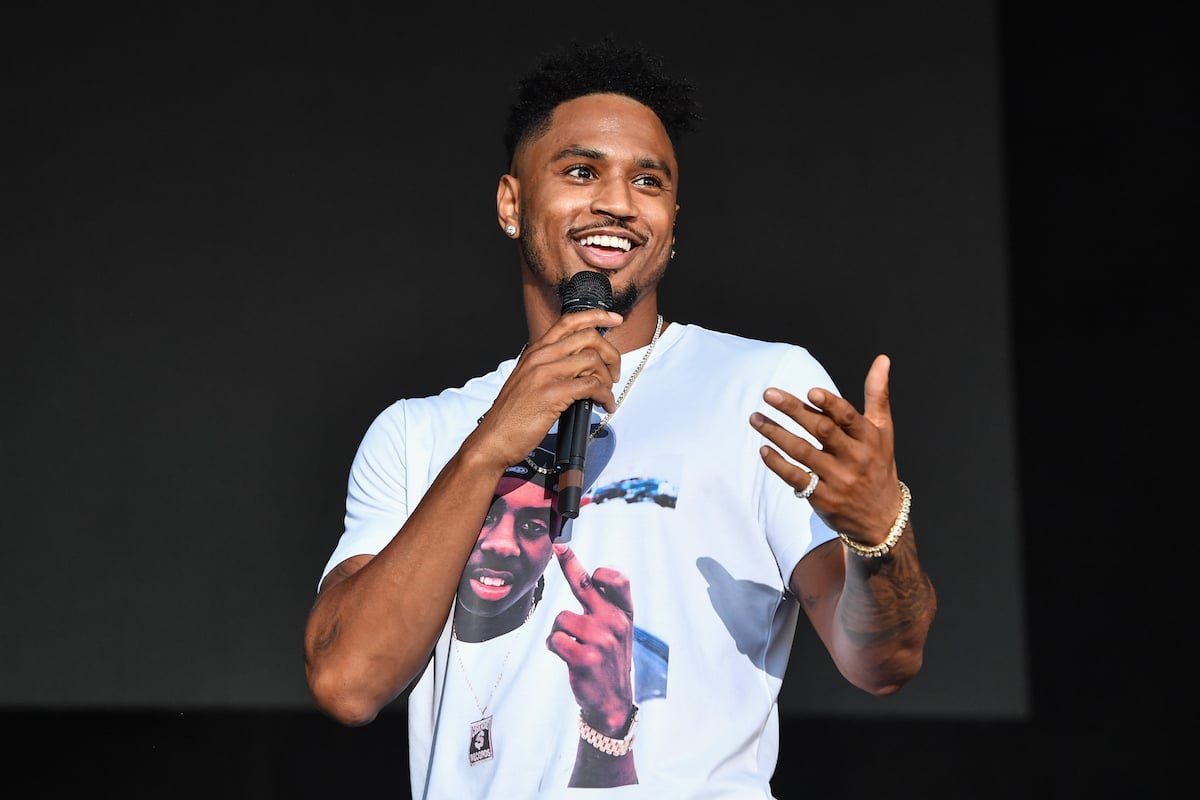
x,y
780,495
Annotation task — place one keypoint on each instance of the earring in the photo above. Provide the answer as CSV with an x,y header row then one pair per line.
x,y
511,230
672,252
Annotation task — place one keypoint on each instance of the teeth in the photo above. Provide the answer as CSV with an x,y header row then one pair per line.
x,y
488,581
607,241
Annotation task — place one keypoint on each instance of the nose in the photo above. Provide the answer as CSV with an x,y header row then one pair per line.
x,y
501,538
614,198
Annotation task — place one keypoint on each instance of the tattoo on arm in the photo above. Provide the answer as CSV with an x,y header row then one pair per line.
x,y
884,597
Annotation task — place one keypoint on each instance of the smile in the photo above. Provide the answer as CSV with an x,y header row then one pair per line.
x,y
490,588
618,242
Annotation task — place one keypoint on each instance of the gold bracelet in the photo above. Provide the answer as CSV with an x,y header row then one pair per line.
x,y
882,549
606,744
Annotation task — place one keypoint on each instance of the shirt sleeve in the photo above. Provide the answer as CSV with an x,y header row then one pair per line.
x,y
377,489
793,528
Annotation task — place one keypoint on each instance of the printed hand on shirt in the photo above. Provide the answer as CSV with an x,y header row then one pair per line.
x,y
597,647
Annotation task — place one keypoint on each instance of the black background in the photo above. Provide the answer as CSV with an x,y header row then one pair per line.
x,y
243,235
1098,125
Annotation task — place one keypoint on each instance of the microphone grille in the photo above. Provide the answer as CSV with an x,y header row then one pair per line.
x,y
587,290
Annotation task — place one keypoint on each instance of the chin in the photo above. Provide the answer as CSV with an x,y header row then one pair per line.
x,y
624,300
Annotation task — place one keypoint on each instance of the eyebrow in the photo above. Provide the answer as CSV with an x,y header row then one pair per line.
x,y
538,513
579,151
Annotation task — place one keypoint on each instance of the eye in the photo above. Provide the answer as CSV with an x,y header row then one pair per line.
x,y
583,172
648,180
533,527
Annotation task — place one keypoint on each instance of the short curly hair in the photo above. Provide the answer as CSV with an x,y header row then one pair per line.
x,y
599,67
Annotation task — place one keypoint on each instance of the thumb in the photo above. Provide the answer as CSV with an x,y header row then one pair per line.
x,y
877,402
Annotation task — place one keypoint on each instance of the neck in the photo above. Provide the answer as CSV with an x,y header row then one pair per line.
x,y
471,627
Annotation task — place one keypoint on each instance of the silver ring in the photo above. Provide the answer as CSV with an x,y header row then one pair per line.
x,y
813,480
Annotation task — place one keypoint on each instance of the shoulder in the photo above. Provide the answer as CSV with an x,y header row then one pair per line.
x,y
451,408
476,393
700,337
737,354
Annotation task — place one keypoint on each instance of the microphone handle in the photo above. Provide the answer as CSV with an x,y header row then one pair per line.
x,y
573,428
584,291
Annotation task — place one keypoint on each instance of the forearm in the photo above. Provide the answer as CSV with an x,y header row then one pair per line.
x,y
882,618
372,629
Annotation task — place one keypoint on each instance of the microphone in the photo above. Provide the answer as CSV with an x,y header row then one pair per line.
x,y
585,290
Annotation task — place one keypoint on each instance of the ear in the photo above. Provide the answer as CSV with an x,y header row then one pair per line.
x,y
508,200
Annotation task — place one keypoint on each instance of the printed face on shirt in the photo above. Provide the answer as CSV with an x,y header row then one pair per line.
x,y
512,551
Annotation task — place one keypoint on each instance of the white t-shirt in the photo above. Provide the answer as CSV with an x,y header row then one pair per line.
x,y
676,498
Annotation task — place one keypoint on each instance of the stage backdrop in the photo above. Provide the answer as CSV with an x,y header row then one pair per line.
x,y
234,236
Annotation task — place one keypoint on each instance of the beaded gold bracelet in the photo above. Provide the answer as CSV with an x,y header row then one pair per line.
x,y
882,549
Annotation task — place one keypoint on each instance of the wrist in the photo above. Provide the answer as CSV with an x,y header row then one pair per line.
x,y
617,745
893,536
480,459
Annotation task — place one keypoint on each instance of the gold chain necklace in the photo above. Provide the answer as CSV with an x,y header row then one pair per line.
x,y
620,398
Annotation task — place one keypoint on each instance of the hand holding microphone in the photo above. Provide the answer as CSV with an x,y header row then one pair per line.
x,y
585,290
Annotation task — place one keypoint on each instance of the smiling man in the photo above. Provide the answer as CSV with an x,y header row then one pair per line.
x,y
784,499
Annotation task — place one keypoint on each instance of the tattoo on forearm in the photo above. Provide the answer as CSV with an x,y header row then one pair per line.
x,y
886,598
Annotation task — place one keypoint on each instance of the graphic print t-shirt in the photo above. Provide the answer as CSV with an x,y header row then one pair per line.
x,y
678,500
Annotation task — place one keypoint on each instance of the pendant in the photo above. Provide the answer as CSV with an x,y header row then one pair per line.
x,y
480,748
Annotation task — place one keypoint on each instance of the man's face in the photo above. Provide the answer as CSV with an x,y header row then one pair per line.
x,y
512,551
598,191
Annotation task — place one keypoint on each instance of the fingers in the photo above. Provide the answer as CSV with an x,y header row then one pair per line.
x,y
812,419
822,418
843,438
571,362
577,577
796,477
591,318
826,415
604,586
576,360
597,645
852,454
573,333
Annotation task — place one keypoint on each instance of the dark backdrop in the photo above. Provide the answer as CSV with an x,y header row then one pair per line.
x,y
229,231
